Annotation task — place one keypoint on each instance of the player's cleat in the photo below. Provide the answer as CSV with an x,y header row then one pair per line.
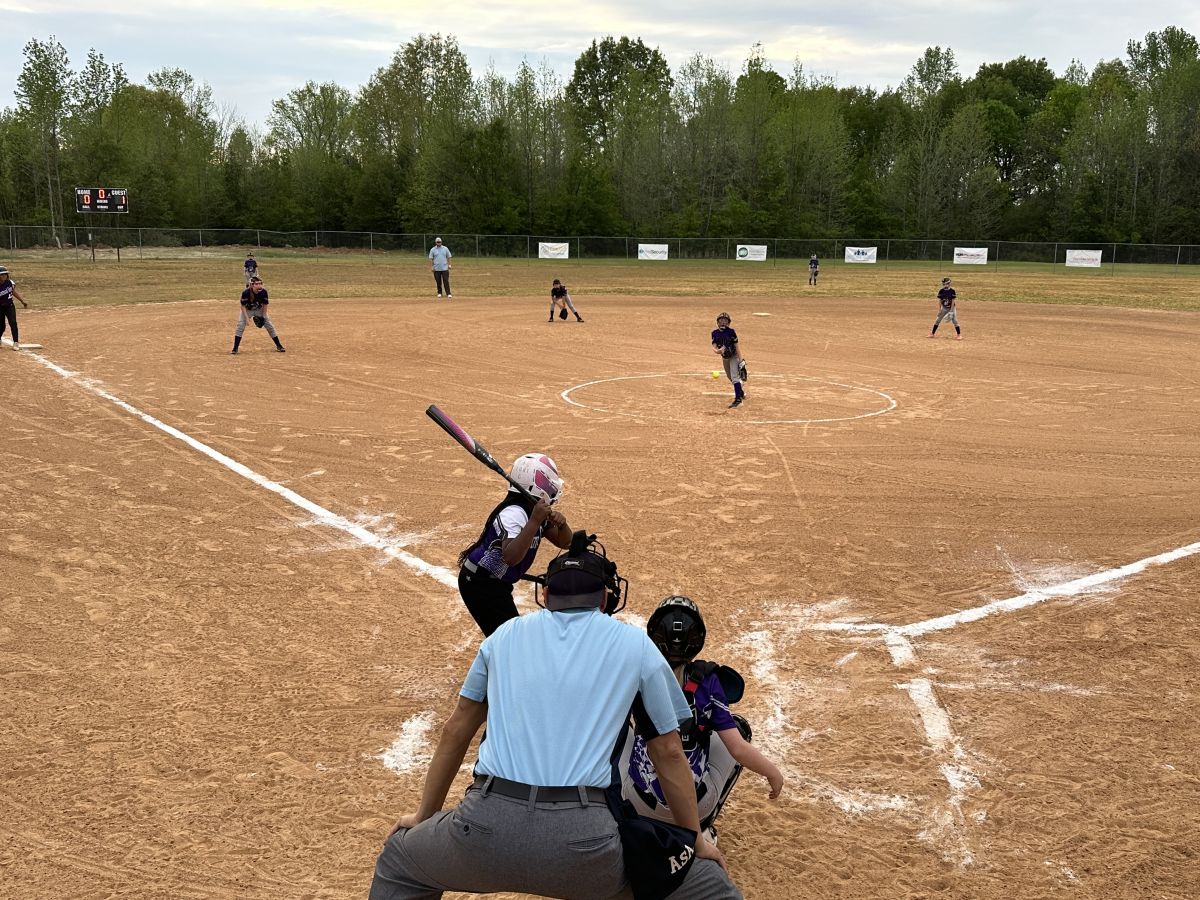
x,y
711,833
280,349
958,338
233,353
16,345
931,334
439,295
449,296
579,318
737,401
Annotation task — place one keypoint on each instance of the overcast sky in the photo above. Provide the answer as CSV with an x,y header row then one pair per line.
x,y
253,51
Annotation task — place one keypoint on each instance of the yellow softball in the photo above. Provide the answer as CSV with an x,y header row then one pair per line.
x,y
716,374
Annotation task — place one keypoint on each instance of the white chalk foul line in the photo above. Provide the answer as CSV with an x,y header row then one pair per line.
x,y
954,765
319,513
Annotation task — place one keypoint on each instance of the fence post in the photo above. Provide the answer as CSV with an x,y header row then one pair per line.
x,y
528,244
941,253
998,251
775,255
887,253
1054,261
200,232
140,254
477,246
1114,269
258,239
1178,257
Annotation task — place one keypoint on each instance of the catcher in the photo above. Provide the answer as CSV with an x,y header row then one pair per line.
x,y
254,307
725,345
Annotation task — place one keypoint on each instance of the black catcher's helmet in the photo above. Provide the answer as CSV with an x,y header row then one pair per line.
x,y
677,629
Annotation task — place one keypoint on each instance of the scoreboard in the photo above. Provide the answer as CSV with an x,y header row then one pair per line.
x,y
101,200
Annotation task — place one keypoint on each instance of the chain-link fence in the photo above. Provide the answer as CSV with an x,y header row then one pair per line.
x,y
114,241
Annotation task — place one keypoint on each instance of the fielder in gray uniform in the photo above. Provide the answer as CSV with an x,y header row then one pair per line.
x,y
560,299
725,345
254,307
947,309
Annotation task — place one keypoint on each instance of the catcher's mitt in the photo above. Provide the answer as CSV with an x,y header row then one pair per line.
x,y
259,321
562,313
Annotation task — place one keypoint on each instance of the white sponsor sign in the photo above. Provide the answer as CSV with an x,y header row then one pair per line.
x,y
862,254
1085,259
970,256
753,252
652,251
553,251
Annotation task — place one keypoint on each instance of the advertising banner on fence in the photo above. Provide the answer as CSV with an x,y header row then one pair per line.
x,y
553,251
652,251
752,252
1085,259
862,254
970,256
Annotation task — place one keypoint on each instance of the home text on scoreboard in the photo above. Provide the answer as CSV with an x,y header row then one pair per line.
x,y
101,200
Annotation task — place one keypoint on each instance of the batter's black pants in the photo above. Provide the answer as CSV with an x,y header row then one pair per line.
x,y
442,280
8,312
489,600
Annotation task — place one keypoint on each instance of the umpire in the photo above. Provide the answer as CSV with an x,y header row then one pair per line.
x,y
555,689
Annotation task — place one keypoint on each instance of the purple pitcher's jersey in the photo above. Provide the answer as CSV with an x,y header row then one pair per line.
x,y
711,713
488,554
725,338
946,296
558,291
6,292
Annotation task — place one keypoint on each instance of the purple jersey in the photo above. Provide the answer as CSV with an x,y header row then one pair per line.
x,y
251,300
711,714
488,554
946,296
6,292
726,339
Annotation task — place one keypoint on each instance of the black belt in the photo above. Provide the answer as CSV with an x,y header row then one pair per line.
x,y
535,794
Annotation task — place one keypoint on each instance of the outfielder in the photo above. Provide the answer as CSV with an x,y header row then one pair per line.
x,y
948,300
814,269
251,267
254,306
725,345
560,299
8,310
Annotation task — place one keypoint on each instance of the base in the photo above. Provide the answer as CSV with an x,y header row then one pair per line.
x,y
8,343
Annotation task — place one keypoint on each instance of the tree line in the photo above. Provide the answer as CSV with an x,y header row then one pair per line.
x,y
627,146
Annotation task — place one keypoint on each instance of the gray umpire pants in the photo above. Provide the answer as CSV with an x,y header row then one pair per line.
x,y
492,843
244,320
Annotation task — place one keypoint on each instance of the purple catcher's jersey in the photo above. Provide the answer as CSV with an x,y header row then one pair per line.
x,y
711,714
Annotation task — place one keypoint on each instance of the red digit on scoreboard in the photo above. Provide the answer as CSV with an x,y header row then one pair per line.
x,y
87,199
100,194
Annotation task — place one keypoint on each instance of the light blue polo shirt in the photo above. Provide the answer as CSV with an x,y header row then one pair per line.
x,y
440,254
559,686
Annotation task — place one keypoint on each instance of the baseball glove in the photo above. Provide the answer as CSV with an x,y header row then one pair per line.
x,y
562,313
259,321
742,372
727,353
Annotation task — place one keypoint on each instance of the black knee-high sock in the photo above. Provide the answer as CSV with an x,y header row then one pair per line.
x,y
237,339
276,340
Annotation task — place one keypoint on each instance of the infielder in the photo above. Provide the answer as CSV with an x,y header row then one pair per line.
x,y
948,301
814,269
560,299
8,310
254,306
725,345
439,261
251,267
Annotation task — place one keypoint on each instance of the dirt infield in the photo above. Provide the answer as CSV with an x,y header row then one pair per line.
x,y
211,690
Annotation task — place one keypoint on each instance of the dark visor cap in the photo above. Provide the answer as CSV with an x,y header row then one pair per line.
x,y
574,582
